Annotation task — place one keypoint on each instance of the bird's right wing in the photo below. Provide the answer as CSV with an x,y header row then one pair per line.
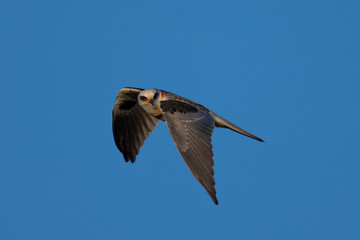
x,y
131,124
191,129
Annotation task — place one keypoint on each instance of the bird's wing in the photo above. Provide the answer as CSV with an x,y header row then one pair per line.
x,y
191,129
131,123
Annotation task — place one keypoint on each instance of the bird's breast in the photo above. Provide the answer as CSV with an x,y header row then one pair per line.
x,y
157,113
153,111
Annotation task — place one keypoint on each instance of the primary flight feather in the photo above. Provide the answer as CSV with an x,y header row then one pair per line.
x,y
137,112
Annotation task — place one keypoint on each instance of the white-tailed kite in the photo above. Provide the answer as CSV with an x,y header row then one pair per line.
x,y
137,111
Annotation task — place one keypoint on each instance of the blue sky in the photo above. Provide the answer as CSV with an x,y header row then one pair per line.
x,y
287,71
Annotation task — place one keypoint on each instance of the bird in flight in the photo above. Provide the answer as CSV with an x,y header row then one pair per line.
x,y
137,111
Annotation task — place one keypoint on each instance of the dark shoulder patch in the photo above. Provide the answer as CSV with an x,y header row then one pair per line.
x,y
126,105
172,106
127,99
133,95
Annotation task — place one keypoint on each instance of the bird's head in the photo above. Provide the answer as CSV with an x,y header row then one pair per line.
x,y
149,98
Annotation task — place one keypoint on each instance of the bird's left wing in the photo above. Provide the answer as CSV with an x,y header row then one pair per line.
x,y
191,129
131,123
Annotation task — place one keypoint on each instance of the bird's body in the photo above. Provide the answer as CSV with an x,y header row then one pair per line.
x,y
137,112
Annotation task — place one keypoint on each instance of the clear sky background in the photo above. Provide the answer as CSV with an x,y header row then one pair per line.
x,y
287,71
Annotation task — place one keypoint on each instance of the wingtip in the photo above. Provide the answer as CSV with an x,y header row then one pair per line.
x,y
213,197
132,159
129,157
221,122
126,158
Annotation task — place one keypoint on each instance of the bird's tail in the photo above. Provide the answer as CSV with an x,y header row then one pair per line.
x,y
221,122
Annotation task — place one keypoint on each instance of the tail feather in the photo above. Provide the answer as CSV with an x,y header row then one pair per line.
x,y
221,122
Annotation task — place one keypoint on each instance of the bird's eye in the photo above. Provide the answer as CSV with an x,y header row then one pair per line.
x,y
142,98
156,95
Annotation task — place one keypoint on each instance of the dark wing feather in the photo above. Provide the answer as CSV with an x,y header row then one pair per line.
x,y
191,129
131,123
